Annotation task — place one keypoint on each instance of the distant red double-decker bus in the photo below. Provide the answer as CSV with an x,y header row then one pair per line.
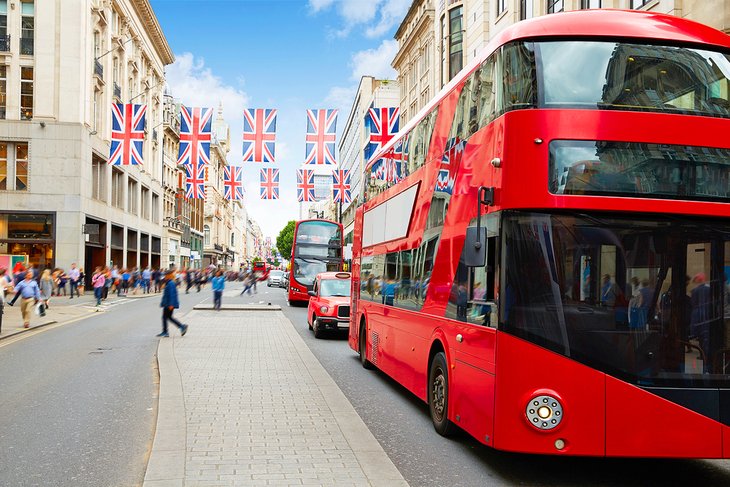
x,y
543,252
317,247
261,270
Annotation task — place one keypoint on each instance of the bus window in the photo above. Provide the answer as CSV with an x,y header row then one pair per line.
x,y
518,76
474,292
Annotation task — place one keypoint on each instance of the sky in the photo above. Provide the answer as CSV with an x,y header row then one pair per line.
x,y
291,55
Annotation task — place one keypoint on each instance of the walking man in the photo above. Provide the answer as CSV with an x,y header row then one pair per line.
x,y
219,283
169,304
30,294
73,279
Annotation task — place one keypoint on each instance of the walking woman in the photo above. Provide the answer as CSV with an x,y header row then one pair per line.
x,y
169,304
219,283
46,289
97,281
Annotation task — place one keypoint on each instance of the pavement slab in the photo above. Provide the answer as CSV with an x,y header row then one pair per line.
x,y
243,401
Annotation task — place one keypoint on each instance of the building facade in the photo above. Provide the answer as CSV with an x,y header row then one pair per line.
x,y
371,92
61,202
437,38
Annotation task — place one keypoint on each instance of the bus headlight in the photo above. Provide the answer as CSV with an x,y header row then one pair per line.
x,y
544,412
323,309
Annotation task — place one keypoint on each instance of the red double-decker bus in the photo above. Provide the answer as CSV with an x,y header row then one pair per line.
x,y
543,252
317,247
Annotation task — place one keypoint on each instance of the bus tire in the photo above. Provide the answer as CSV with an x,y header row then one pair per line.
x,y
318,332
438,395
362,346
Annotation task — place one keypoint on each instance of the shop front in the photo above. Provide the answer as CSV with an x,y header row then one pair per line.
x,y
27,237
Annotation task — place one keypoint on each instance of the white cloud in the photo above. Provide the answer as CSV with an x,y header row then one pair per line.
x,y
375,62
377,16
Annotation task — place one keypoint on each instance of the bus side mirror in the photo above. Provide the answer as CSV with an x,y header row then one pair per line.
x,y
475,247
312,293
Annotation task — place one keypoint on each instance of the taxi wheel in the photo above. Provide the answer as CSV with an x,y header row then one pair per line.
x,y
309,323
318,332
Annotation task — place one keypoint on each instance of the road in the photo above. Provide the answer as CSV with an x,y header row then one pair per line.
x,y
78,407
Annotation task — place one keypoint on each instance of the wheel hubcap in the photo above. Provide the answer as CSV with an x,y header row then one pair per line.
x,y
438,393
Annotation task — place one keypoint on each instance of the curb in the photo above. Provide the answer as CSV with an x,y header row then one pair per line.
x,y
24,330
239,307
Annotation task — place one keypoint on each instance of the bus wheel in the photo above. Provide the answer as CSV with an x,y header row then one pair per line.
x,y
363,349
438,395
316,328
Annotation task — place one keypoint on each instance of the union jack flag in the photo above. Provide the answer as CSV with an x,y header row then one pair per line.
x,y
305,185
259,134
383,123
444,183
233,183
127,134
195,135
341,186
392,171
195,181
320,141
269,184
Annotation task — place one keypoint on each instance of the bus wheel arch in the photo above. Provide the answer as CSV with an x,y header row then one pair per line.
x,y
362,344
438,389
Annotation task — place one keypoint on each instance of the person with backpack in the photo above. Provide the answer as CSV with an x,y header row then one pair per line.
x,y
169,304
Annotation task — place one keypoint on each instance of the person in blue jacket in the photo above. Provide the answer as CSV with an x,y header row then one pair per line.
x,y
169,304
219,283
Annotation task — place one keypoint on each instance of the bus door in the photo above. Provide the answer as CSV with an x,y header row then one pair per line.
x,y
473,307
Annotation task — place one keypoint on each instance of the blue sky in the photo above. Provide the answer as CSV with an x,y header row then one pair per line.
x,y
285,54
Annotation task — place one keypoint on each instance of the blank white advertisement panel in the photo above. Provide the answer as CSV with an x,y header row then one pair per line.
x,y
389,220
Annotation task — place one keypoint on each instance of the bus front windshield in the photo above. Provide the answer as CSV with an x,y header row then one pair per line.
x,y
644,299
305,270
628,76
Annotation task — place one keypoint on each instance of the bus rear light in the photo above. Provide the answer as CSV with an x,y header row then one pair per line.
x,y
544,412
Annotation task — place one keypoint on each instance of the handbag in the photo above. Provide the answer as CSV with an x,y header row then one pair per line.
x,y
40,310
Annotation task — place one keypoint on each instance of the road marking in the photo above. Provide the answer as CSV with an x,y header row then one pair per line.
x,y
36,331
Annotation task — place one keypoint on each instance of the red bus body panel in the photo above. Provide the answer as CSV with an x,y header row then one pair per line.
x,y
492,375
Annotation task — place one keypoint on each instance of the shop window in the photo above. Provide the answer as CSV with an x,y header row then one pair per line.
x,y
13,166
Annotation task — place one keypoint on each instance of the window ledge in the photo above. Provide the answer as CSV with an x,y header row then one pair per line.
x,y
501,15
649,6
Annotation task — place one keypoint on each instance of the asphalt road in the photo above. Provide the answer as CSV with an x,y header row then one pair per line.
x,y
78,402
401,424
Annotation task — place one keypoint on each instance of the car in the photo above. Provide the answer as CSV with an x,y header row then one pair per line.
x,y
284,282
329,303
274,278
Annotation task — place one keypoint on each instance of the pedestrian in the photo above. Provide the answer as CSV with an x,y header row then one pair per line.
x,y
157,278
73,280
107,282
97,281
62,280
125,281
6,285
219,283
247,283
30,294
46,289
188,280
146,277
169,304
82,281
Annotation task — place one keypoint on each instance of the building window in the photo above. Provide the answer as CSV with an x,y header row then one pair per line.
x,y
21,167
502,6
526,9
3,87
233,239
13,166
456,38
554,6
443,50
117,188
145,197
206,235
155,207
27,27
639,3
132,196
3,166
590,4
4,39
98,176
26,92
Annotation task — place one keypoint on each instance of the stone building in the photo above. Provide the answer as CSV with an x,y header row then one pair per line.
x,y
62,65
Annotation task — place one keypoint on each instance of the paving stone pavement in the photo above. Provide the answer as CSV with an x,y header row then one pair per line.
x,y
243,401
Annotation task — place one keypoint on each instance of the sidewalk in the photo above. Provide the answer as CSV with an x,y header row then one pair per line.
x,y
62,310
244,402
